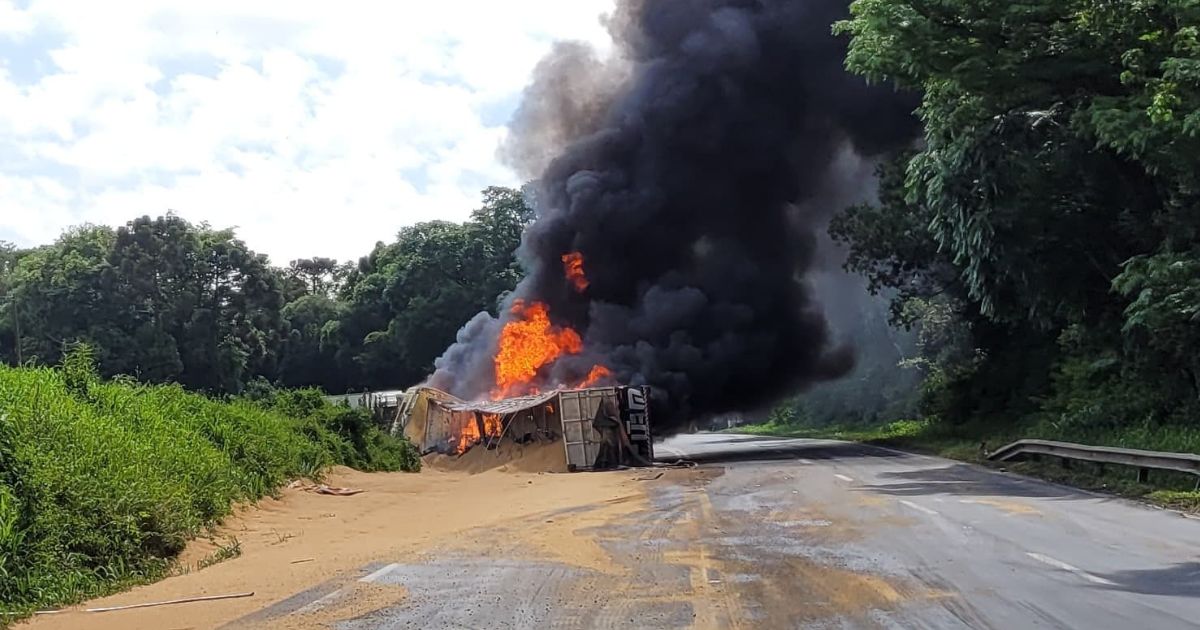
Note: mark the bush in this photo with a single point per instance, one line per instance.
(350, 433)
(102, 483)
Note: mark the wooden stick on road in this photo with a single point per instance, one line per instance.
(207, 598)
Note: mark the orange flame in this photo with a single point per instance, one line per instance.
(527, 343)
(573, 268)
(493, 427)
(598, 373)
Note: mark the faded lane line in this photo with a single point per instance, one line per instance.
(380, 573)
(919, 508)
(905, 454)
(318, 605)
(806, 462)
(1059, 564)
(844, 478)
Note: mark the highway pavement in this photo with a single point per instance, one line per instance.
(788, 533)
(1005, 551)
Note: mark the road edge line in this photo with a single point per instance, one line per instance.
(380, 573)
(918, 507)
(1059, 564)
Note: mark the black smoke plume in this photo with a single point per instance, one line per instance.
(691, 171)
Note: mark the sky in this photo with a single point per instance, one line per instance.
(313, 128)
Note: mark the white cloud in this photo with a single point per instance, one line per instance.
(14, 21)
(316, 128)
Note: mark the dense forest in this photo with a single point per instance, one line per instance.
(163, 300)
(1041, 238)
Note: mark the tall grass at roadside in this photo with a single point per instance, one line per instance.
(349, 434)
(101, 484)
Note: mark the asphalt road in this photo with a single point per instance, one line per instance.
(777, 533)
(1006, 551)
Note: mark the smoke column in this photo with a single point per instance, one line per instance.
(691, 172)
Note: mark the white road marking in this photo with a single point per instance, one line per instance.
(380, 573)
(907, 455)
(844, 478)
(1059, 564)
(896, 452)
(919, 508)
(806, 462)
(317, 605)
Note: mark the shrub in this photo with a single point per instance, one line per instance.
(102, 483)
(349, 433)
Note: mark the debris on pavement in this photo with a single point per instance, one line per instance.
(340, 492)
(324, 489)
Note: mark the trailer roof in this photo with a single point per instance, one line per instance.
(508, 405)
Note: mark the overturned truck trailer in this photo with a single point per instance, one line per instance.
(598, 427)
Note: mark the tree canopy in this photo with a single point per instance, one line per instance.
(1052, 202)
(165, 300)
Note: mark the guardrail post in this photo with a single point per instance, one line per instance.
(1066, 463)
(1143, 475)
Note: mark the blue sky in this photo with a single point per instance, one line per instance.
(315, 128)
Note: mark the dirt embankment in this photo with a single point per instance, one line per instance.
(304, 539)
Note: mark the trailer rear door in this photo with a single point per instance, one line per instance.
(581, 440)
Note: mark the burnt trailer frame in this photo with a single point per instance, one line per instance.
(573, 412)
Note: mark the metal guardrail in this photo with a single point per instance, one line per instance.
(1142, 460)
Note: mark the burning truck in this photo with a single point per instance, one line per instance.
(598, 427)
(521, 396)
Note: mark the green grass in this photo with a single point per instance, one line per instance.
(894, 431)
(231, 549)
(102, 484)
(1176, 500)
(969, 442)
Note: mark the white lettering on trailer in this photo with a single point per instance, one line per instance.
(638, 425)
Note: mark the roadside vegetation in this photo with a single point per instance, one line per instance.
(1041, 244)
(972, 443)
(102, 483)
